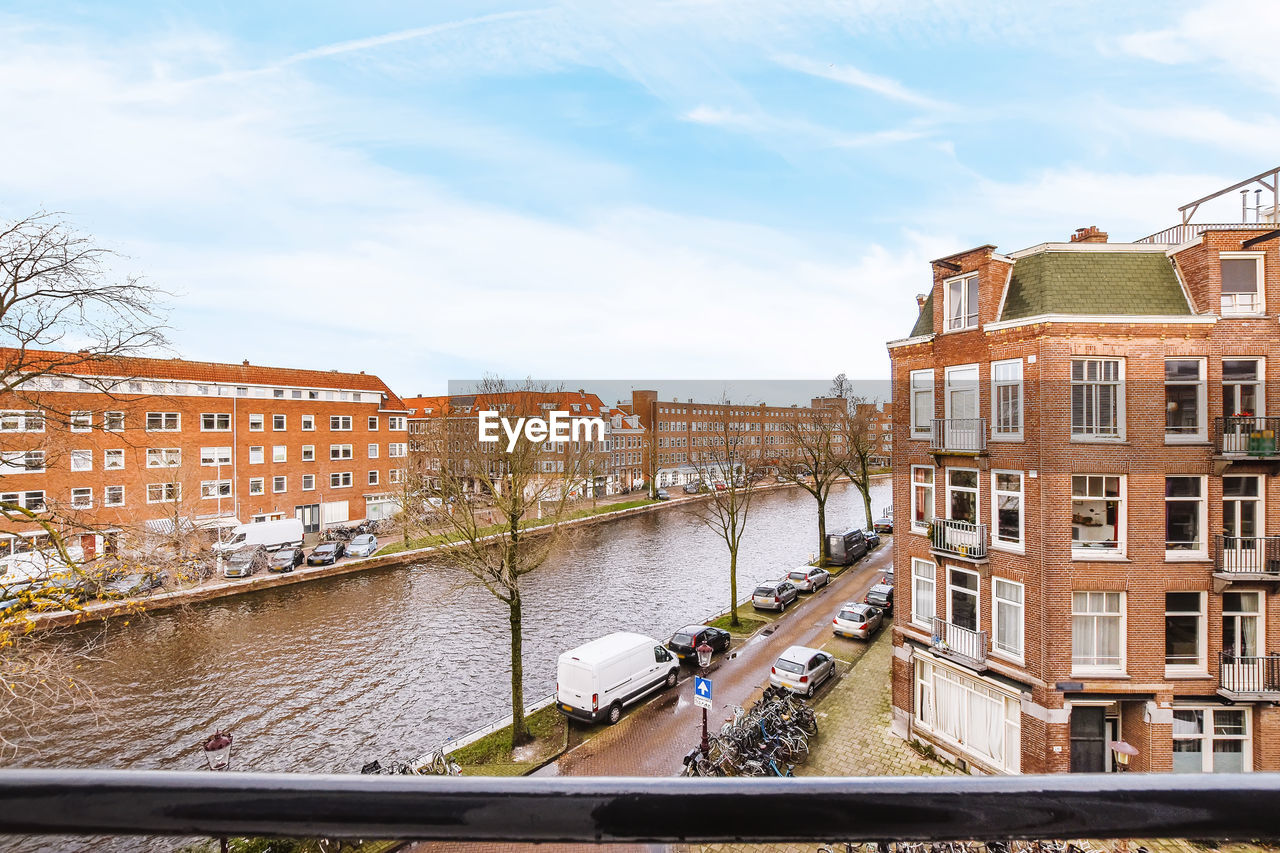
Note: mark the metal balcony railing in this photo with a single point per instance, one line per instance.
(1246, 435)
(1246, 555)
(1182, 233)
(960, 642)
(958, 538)
(1258, 674)
(959, 435)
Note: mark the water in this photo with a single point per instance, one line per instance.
(326, 675)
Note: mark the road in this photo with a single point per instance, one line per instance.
(652, 739)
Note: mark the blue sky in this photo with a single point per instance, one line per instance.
(668, 189)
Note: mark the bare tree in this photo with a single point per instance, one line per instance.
(813, 446)
(854, 414)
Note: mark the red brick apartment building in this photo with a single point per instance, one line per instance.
(626, 448)
(115, 447)
(879, 420)
(1088, 536)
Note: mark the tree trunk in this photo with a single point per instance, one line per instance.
(519, 727)
(822, 531)
(865, 488)
(733, 588)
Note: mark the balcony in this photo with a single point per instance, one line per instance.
(960, 644)
(967, 436)
(1183, 233)
(1244, 438)
(1246, 558)
(1249, 678)
(963, 539)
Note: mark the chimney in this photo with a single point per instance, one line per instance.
(246, 362)
(920, 299)
(1089, 235)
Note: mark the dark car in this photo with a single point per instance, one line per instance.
(845, 549)
(137, 583)
(684, 643)
(883, 525)
(286, 560)
(664, 495)
(692, 488)
(880, 595)
(326, 554)
(873, 538)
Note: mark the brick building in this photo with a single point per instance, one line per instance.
(1085, 484)
(626, 449)
(879, 420)
(115, 447)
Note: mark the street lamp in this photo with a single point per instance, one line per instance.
(1123, 752)
(704, 659)
(217, 750)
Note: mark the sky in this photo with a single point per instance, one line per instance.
(703, 189)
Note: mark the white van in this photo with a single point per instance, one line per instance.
(597, 680)
(271, 535)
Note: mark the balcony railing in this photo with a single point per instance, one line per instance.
(1246, 435)
(958, 538)
(1246, 555)
(1253, 675)
(959, 642)
(1182, 233)
(959, 435)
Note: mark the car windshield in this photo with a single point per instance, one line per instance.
(325, 549)
(682, 639)
(798, 575)
(362, 540)
(789, 666)
(764, 590)
(286, 554)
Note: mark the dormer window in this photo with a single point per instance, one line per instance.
(1241, 283)
(961, 302)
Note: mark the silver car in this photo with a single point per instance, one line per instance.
(774, 595)
(245, 562)
(857, 620)
(801, 669)
(809, 578)
(363, 545)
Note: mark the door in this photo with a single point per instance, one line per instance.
(1241, 517)
(1088, 739)
(1241, 642)
(962, 432)
(309, 515)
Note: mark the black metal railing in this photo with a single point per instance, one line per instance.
(1246, 555)
(958, 538)
(958, 641)
(1246, 435)
(1249, 674)
(959, 435)
(607, 809)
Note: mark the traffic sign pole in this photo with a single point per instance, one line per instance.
(702, 696)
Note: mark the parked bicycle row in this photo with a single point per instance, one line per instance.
(1014, 846)
(768, 740)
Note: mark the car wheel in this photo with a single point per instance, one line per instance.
(615, 713)
(809, 693)
(671, 679)
(782, 605)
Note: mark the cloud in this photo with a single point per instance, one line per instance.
(1239, 36)
(791, 132)
(851, 76)
(1256, 135)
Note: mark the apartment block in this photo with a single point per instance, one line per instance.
(1088, 516)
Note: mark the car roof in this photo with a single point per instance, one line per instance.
(881, 587)
(692, 629)
(798, 654)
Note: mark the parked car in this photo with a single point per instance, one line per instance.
(598, 679)
(883, 525)
(857, 621)
(720, 486)
(774, 595)
(363, 545)
(281, 533)
(692, 488)
(684, 643)
(326, 554)
(888, 575)
(801, 669)
(845, 549)
(286, 560)
(880, 595)
(245, 562)
(664, 495)
(137, 583)
(873, 539)
(809, 578)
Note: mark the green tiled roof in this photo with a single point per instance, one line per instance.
(924, 323)
(1139, 283)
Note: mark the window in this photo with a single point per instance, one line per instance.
(961, 298)
(1006, 622)
(1097, 515)
(922, 403)
(257, 485)
(257, 455)
(256, 423)
(82, 460)
(1242, 627)
(373, 423)
(1184, 517)
(164, 457)
(1184, 626)
(113, 496)
(396, 475)
(215, 456)
(280, 453)
(1211, 740)
(340, 481)
(278, 423)
(962, 598)
(962, 495)
(162, 492)
(373, 451)
(308, 423)
(279, 484)
(1242, 524)
(1007, 495)
(1097, 398)
(113, 421)
(373, 478)
(308, 482)
(340, 451)
(112, 460)
(1184, 399)
(22, 462)
(215, 422)
(82, 498)
(340, 423)
(921, 496)
(1242, 283)
(398, 450)
(12, 421)
(215, 489)
(81, 421)
(923, 595)
(1006, 398)
(396, 422)
(163, 421)
(308, 453)
(1097, 631)
(969, 713)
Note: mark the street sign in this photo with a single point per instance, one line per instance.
(702, 692)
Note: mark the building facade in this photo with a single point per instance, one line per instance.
(1087, 507)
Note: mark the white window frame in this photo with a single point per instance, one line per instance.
(1208, 734)
(20, 420)
(1201, 384)
(966, 321)
(373, 423)
(210, 489)
(164, 489)
(279, 423)
(340, 480)
(212, 457)
(279, 453)
(108, 455)
(1259, 383)
(217, 419)
(308, 423)
(926, 674)
(397, 423)
(1001, 602)
(1121, 616)
(1261, 291)
(924, 572)
(343, 423)
(373, 451)
(338, 452)
(977, 492)
(917, 393)
(81, 460)
(400, 449)
(976, 592)
(279, 484)
(1201, 666)
(1122, 520)
(373, 478)
(106, 496)
(82, 421)
(999, 432)
(1201, 553)
(933, 498)
(113, 421)
(308, 453)
(164, 419)
(258, 454)
(164, 457)
(308, 482)
(1090, 432)
(82, 498)
(257, 423)
(1018, 547)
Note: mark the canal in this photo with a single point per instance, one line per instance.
(326, 675)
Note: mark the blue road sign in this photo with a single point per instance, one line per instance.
(702, 692)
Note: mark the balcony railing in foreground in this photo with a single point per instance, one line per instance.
(960, 643)
(608, 809)
(1246, 435)
(1249, 676)
(1251, 556)
(956, 538)
(959, 435)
